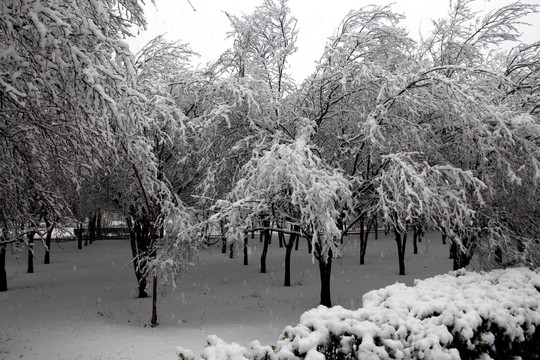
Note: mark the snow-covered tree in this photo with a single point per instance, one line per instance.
(289, 183)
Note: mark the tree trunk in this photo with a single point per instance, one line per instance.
(376, 225)
(231, 250)
(364, 235)
(79, 235)
(154, 321)
(288, 250)
(245, 249)
(281, 238)
(98, 225)
(50, 227)
(416, 236)
(309, 246)
(266, 239)
(223, 238)
(325, 270)
(401, 241)
(30, 268)
(297, 241)
(3, 274)
(139, 252)
(92, 229)
(443, 238)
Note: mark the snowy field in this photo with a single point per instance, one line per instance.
(84, 306)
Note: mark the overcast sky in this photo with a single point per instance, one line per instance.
(205, 28)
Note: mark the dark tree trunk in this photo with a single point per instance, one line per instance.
(281, 238)
(139, 249)
(461, 259)
(246, 249)
(443, 238)
(98, 225)
(401, 241)
(3, 274)
(231, 250)
(416, 239)
(79, 235)
(223, 238)
(288, 250)
(50, 227)
(309, 245)
(266, 236)
(325, 270)
(252, 235)
(297, 242)
(92, 228)
(30, 236)
(154, 321)
(376, 226)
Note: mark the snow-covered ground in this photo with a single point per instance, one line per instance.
(83, 305)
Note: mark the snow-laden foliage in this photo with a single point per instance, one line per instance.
(460, 315)
(289, 183)
(410, 191)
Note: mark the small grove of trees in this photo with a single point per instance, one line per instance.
(440, 134)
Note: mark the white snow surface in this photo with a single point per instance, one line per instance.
(84, 306)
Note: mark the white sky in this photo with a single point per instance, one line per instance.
(205, 29)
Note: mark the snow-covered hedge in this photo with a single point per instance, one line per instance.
(460, 315)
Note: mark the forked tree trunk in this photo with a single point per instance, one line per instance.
(364, 235)
(401, 241)
(3, 274)
(30, 268)
(50, 227)
(288, 250)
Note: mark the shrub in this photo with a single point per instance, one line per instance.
(460, 315)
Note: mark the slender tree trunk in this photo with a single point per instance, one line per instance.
(376, 225)
(297, 241)
(401, 241)
(79, 235)
(266, 235)
(231, 250)
(50, 227)
(223, 238)
(154, 321)
(92, 228)
(416, 236)
(30, 236)
(443, 237)
(281, 238)
(3, 274)
(288, 250)
(98, 225)
(325, 270)
(136, 236)
(245, 249)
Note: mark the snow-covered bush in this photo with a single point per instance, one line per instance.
(460, 315)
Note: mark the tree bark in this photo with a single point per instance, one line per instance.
(98, 225)
(154, 321)
(50, 227)
(3, 274)
(246, 249)
(30, 236)
(266, 239)
(288, 250)
(92, 229)
(139, 251)
(281, 238)
(416, 239)
(79, 235)
(401, 241)
(325, 270)
(223, 238)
